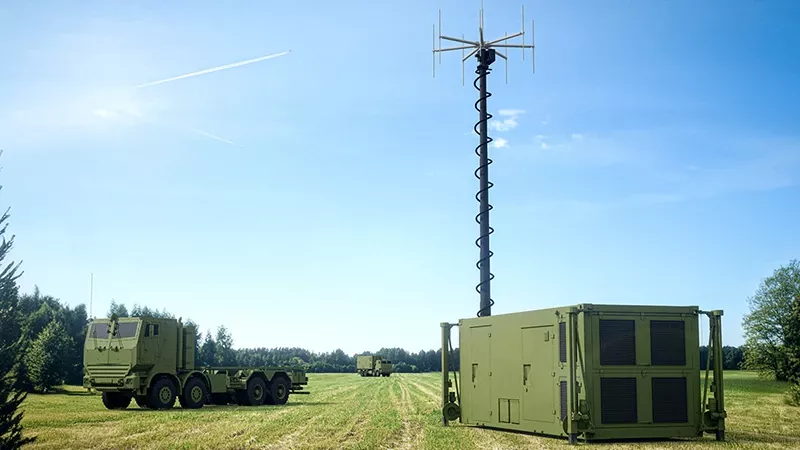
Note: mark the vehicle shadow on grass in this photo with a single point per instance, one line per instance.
(223, 408)
(581, 440)
(730, 438)
(60, 391)
(763, 438)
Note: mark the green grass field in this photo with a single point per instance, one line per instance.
(347, 411)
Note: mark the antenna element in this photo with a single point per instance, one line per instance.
(485, 52)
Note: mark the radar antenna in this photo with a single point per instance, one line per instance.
(485, 52)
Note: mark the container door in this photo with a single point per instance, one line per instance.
(479, 374)
(537, 373)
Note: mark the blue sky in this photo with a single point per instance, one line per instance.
(652, 158)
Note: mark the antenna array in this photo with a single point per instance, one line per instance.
(476, 46)
(485, 52)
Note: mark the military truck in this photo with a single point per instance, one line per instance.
(152, 361)
(383, 368)
(373, 366)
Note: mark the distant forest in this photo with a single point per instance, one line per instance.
(216, 349)
(52, 336)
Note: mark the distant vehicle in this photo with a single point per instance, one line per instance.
(373, 366)
(152, 361)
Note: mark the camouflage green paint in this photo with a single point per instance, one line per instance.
(591, 371)
(134, 357)
(373, 366)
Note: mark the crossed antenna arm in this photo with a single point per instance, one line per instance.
(476, 46)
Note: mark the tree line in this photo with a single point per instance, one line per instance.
(216, 349)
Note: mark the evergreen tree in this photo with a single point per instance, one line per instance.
(224, 355)
(207, 351)
(117, 309)
(11, 397)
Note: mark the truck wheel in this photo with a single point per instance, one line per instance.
(279, 390)
(162, 394)
(116, 400)
(256, 391)
(194, 394)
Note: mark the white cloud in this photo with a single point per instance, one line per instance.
(540, 137)
(504, 125)
(499, 143)
(544, 146)
(510, 121)
(577, 136)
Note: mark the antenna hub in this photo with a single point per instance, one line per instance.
(486, 56)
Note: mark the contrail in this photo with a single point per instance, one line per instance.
(203, 133)
(107, 113)
(215, 69)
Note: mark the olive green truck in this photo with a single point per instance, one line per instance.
(373, 366)
(152, 361)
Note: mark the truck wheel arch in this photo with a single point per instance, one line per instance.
(171, 377)
(259, 374)
(194, 374)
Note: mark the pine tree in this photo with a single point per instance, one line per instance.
(207, 351)
(11, 397)
(224, 355)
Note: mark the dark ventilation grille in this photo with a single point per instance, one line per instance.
(617, 342)
(669, 400)
(563, 385)
(618, 400)
(562, 342)
(667, 343)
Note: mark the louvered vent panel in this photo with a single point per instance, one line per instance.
(618, 400)
(669, 400)
(562, 342)
(667, 343)
(563, 386)
(617, 342)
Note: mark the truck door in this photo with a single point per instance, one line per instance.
(150, 344)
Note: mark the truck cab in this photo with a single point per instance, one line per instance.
(383, 368)
(111, 354)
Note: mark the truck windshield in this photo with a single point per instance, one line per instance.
(99, 331)
(127, 329)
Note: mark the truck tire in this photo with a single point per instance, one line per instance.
(256, 392)
(116, 400)
(194, 394)
(162, 394)
(279, 390)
